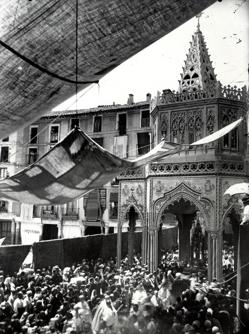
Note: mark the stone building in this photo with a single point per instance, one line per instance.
(121, 129)
(11, 156)
(189, 186)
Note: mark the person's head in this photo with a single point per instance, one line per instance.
(207, 324)
(82, 298)
(188, 329)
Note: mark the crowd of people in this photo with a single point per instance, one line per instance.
(95, 297)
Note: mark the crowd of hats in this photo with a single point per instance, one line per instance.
(96, 297)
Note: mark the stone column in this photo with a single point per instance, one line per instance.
(160, 241)
(153, 248)
(214, 255)
(132, 226)
(60, 224)
(60, 233)
(18, 233)
(106, 229)
(12, 232)
(144, 244)
(119, 244)
(82, 228)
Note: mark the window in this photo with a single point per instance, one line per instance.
(122, 124)
(99, 141)
(33, 139)
(234, 139)
(54, 134)
(75, 123)
(143, 143)
(113, 213)
(3, 173)
(5, 139)
(33, 155)
(5, 230)
(230, 140)
(4, 154)
(3, 206)
(97, 124)
(145, 118)
(37, 211)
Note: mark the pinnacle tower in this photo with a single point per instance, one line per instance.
(198, 72)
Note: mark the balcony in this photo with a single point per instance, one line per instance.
(70, 213)
(49, 214)
(3, 209)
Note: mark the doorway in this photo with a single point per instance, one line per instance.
(183, 238)
(50, 231)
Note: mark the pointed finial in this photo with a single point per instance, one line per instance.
(198, 20)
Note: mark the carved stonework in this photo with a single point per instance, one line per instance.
(198, 72)
(164, 123)
(125, 190)
(178, 125)
(139, 190)
(189, 192)
(132, 202)
(205, 167)
(209, 187)
(131, 173)
(132, 194)
(213, 235)
(159, 187)
(210, 125)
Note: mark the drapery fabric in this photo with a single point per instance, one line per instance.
(218, 134)
(73, 167)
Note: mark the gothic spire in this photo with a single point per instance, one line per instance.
(198, 72)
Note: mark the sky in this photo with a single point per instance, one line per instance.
(225, 26)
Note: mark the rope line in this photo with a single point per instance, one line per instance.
(76, 54)
(43, 69)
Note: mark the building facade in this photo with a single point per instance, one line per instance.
(121, 129)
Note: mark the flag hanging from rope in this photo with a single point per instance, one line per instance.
(73, 167)
(77, 165)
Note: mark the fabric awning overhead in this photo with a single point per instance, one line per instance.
(44, 31)
(73, 167)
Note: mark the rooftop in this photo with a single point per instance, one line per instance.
(101, 108)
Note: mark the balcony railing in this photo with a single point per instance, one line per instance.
(220, 91)
(70, 213)
(3, 210)
(50, 214)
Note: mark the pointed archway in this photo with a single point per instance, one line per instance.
(191, 242)
(131, 211)
(206, 210)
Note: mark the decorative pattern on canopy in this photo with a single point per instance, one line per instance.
(73, 167)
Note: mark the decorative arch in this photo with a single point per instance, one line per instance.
(138, 208)
(233, 203)
(184, 191)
